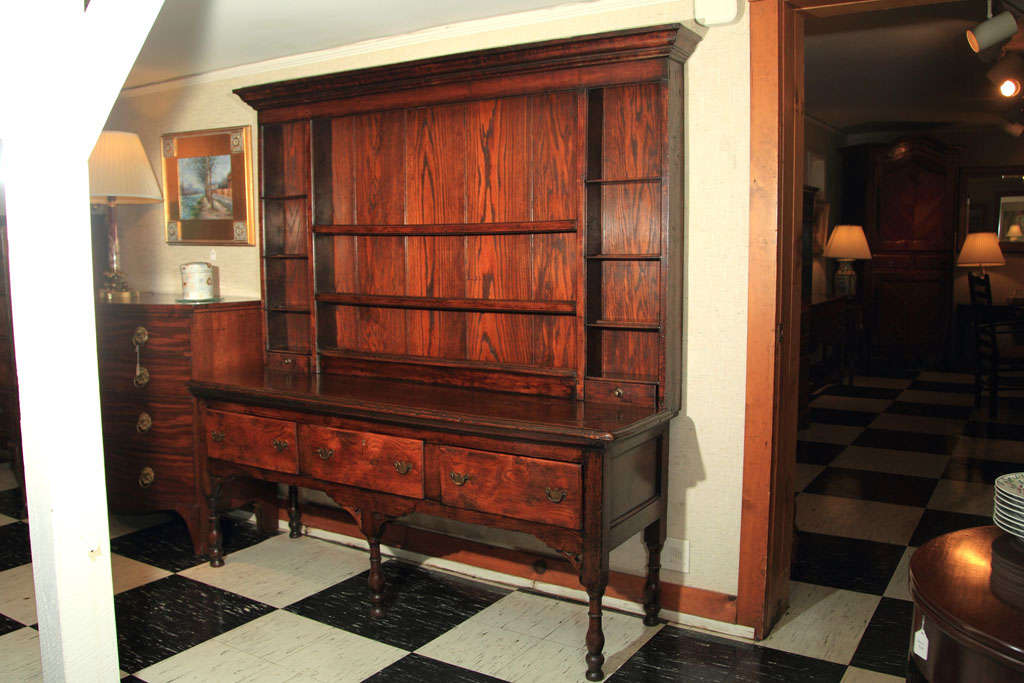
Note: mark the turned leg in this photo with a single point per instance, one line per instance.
(372, 526)
(654, 539)
(216, 549)
(595, 636)
(294, 514)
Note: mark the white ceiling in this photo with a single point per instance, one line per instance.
(197, 36)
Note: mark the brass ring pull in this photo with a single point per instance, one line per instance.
(617, 393)
(555, 495)
(217, 436)
(141, 377)
(403, 467)
(287, 361)
(146, 477)
(144, 423)
(140, 337)
(279, 444)
(324, 452)
(459, 478)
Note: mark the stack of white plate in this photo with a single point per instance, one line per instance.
(1008, 513)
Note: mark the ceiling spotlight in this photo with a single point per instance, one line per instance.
(992, 31)
(1008, 75)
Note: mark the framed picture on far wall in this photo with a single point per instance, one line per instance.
(207, 187)
(1011, 217)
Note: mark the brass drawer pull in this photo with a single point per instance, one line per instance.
(287, 361)
(141, 377)
(146, 477)
(324, 452)
(279, 444)
(217, 436)
(140, 337)
(403, 467)
(459, 478)
(617, 393)
(144, 423)
(555, 495)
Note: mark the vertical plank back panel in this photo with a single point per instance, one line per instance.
(631, 147)
(631, 219)
(497, 160)
(553, 139)
(379, 161)
(630, 291)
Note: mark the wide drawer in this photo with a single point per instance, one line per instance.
(511, 485)
(249, 440)
(149, 481)
(148, 422)
(378, 462)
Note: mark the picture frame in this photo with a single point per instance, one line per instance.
(821, 222)
(208, 187)
(1011, 212)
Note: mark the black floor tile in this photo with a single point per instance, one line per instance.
(897, 440)
(7, 625)
(861, 392)
(853, 418)
(883, 647)
(675, 654)
(994, 430)
(814, 453)
(900, 489)
(937, 522)
(168, 616)
(930, 410)
(978, 470)
(848, 563)
(14, 545)
(420, 605)
(11, 503)
(944, 387)
(169, 545)
(415, 668)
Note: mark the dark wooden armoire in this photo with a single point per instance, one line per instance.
(904, 195)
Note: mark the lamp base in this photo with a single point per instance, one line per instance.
(845, 283)
(115, 288)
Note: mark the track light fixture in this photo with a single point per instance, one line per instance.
(1008, 75)
(992, 31)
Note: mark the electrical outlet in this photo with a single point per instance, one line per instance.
(213, 254)
(675, 555)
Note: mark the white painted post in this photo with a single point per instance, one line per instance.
(62, 68)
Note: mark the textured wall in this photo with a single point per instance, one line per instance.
(707, 447)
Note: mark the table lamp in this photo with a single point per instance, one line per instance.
(980, 249)
(119, 173)
(846, 244)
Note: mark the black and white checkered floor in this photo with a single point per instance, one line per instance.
(886, 465)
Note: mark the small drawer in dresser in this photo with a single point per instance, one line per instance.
(378, 462)
(512, 486)
(149, 480)
(610, 391)
(289, 362)
(250, 440)
(148, 422)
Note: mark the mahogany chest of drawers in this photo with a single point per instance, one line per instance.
(148, 350)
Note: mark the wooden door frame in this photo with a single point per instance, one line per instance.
(773, 297)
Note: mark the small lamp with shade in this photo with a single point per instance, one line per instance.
(847, 244)
(981, 250)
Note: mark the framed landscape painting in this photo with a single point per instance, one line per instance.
(207, 187)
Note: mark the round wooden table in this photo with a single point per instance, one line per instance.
(968, 590)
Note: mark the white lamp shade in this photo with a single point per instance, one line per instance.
(847, 242)
(981, 249)
(119, 168)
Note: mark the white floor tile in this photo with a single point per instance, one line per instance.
(914, 463)
(899, 585)
(20, 660)
(855, 675)
(854, 518)
(827, 433)
(865, 405)
(125, 524)
(129, 573)
(823, 622)
(4, 519)
(487, 649)
(18, 594)
(962, 496)
(881, 382)
(804, 475)
(283, 570)
(936, 397)
(918, 423)
(215, 661)
(1005, 450)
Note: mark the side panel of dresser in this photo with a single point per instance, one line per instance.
(10, 419)
(148, 412)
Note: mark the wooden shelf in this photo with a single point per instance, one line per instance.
(624, 257)
(621, 378)
(623, 181)
(286, 256)
(287, 309)
(450, 304)
(281, 197)
(424, 229)
(438, 362)
(301, 350)
(625, 325)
